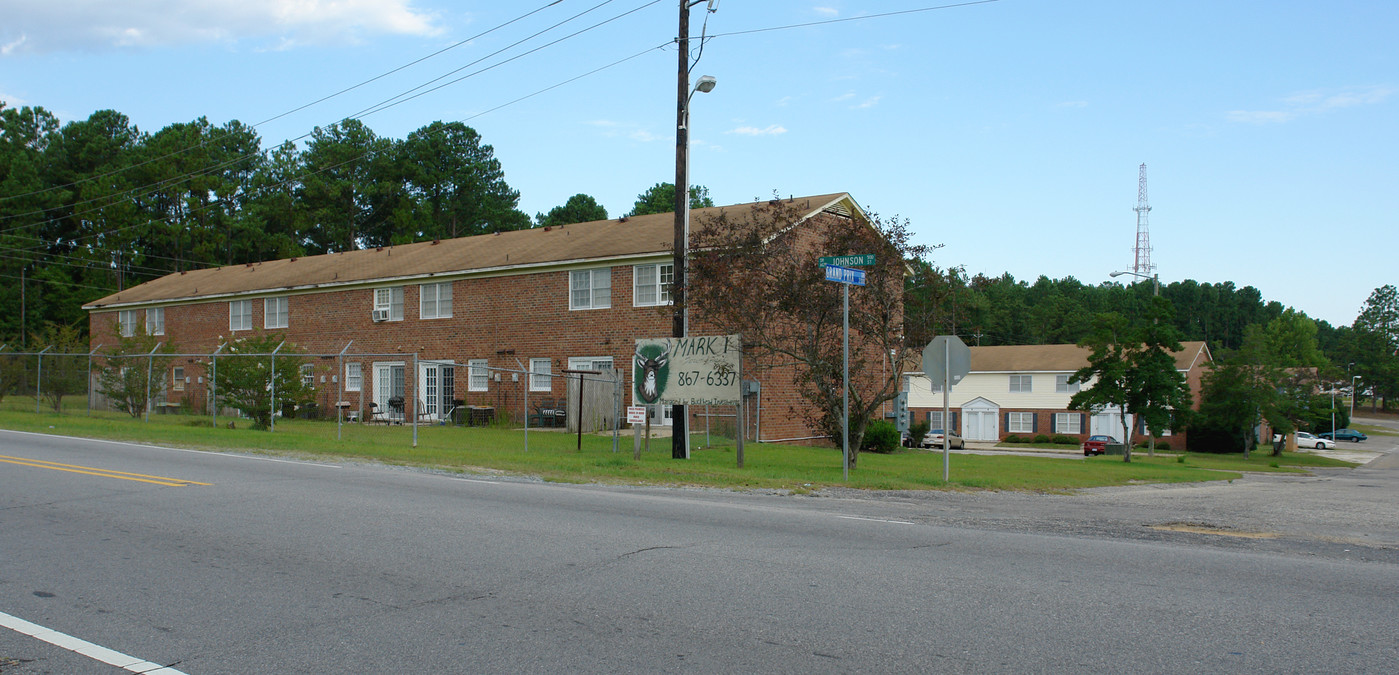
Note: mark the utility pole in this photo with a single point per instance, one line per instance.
(680, 437)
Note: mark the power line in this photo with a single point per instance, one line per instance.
(852, 18)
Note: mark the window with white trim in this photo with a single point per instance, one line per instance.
(308, 375)
(177, 378)
(1062, 385)
(651, 284)
(599, 363)
(354, 377)
(1068, 423)
(240, 315)
(1020, 423)
(590, 289)
(155, 321)
(126, 321)
(477, 374)
(539, 371)
(1020, 384)
(390, 299)
(435, 301)
(275, 312)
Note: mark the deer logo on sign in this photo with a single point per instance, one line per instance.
(652, 367)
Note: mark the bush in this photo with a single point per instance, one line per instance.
(1163, 444)
(1061, 439)
(880, 436)
(1042, 439)
(916, 432)
(1012, 439)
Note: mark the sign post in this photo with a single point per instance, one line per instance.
(948, 359)
(848, 277)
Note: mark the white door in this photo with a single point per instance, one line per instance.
(388, 383)
(437, 388)
(1107, 423)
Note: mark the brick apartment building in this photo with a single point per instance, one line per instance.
(474, 310)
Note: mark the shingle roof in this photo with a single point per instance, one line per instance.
(578, 243)
(1058, 358)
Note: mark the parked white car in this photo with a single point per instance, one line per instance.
(1306, 440)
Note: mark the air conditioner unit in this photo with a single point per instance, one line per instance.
(380, 315)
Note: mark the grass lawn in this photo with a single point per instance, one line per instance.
(555, 456)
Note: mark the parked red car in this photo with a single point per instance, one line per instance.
(1097, 445)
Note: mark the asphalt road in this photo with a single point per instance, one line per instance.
(222, 563)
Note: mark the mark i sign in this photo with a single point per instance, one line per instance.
(687, 371)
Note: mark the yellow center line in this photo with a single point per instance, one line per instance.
(105, 473)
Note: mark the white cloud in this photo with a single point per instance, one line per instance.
(844, 97)
(1314, 102)
(642, 135)
(868, 103)
(769, 130)
(38, 26)
(826, 11)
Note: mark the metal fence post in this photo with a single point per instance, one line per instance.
(150, 373)
(39, 380)
(213, 386)
(272, 416)
(416, 397)
(89, 378)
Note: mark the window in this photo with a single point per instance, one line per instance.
(390, 299)
(477, 375)
(602, 363)
(1020, 422)
(155, 321)
(240, 315)
(539, 371)
(126, 321)
(1063, 386)
(651, 284)
(1068, 423)
(308, 375)
(590, 289)
(1020, 383)
(354, 377)
(935, 420)
(177, 378)
(435, 301)
(275, 313)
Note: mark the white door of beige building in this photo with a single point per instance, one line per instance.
(981, 420)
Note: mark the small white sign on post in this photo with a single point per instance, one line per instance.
(636, 414)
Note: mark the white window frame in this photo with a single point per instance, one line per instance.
(275, 309)
(651, 284)
(1063, 386)
(1020, 423)
(390, 299)
(540, 371)
(177, 378)
(126, 322)
(155, 321)
(1021, 384)
(240, 315)
(478, 375)
(1064, 421)
(308, 375)
(590, 288)
(354, 377)
(435, 301)
(589, 363)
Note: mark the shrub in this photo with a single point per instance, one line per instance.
(880, 436)
(1011, 439)
(917, 431)
(1163, 445)
(1042, 438)
(1061, 439)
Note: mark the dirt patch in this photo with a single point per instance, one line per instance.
(1200, 528)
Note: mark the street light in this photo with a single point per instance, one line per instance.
(1155, 280)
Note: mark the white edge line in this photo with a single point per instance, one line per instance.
(878, 520)
(80, 646)
(232, 452)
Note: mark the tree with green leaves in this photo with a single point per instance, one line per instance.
(1377, 344)
(458, 184)
(65, 372)
(1132, 367)
(660, 198)
(249, 376)
(756, 275)
(131, 371)
(579, 208)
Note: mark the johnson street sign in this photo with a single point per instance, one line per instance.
(858, 260)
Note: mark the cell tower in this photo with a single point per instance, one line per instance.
(1141, 254)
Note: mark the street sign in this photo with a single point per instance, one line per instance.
(946, 358)
(845, 275)
(857, 260)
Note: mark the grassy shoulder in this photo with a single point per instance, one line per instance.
(556, 456)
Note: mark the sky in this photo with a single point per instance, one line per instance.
(1008, 133)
